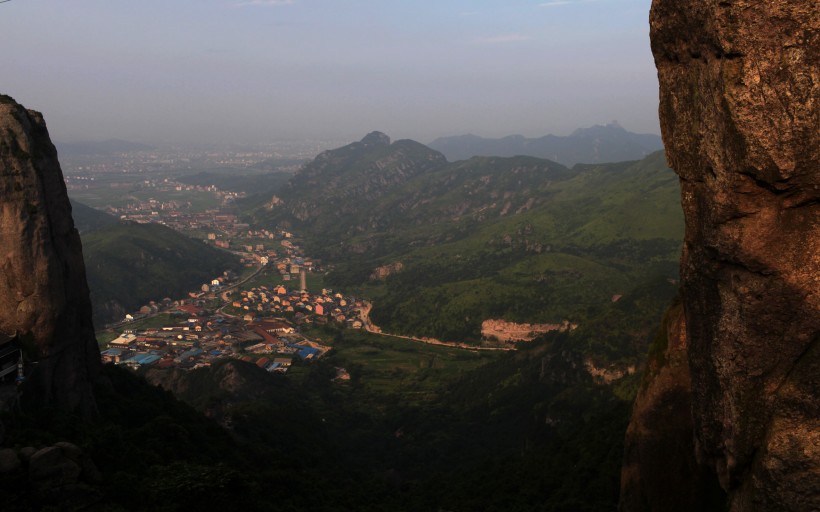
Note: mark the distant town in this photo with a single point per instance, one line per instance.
(228, 317)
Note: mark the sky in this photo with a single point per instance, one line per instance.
(253, 71)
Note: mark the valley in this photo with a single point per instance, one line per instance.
(221, 289)
(517, 298)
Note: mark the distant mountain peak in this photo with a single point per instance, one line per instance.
(608, 142)
(376, 139)
(611, 127)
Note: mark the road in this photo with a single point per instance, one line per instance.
(368, 326)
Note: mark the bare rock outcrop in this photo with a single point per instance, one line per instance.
(740, 116)
(502, 330)
(61, 476)
(44, 297)
(385, 271)
(660, 469)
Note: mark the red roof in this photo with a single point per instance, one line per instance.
(190, 309)
(265, 335)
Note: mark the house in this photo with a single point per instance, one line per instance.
(113, 355)
(306, 352)
(124, 341)
(275, 326)
(140, 360)
(190, 309)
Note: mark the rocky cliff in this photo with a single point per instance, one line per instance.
(44, 297)
(740, 116)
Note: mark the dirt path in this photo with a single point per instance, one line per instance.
(374, 329)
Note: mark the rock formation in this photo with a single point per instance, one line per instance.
(60, 476)
(660, 469)
(44, 296)
(502, 330)
(385, 271)
(740, 116)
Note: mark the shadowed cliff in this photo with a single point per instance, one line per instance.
(44, 297)
(739, 93)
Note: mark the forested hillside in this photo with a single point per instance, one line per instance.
(129, 264)
(441, 247)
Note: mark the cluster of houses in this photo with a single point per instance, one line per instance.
(299, 305)
(256, 325)
(199, 340)
(177, 215)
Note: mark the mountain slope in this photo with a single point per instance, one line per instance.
(130, 264)
(602, 233)
(342, 183)
(520, 239)
(87, 218)
(597, 144)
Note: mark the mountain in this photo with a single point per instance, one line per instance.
(558, 248)
(342, 183)
(597, 144)
(131, 264)
(105, 147)
(740, 121)
(44, 300)
(87, 218)
(441, 247)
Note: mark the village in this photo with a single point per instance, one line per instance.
(257, 319)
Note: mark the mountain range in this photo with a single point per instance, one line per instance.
(597, 144)
(440, 247)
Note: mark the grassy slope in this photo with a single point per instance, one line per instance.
(130, 264)
(88, 219)
(603, 232)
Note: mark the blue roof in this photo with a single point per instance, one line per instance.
(151, 359)
(191, 353)
(112, 352)
(304, 352)
(144, 359)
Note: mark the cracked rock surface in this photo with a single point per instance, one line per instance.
(44, 297)
(740, 116)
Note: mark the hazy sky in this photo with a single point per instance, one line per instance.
(257, 70)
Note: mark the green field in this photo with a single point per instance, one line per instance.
(161, 320)
(386, 365)
(100, 197)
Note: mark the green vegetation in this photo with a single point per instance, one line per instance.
(454, 430)
(89, 219)
(238, 181)
(416, 427)
(385, 365)
(130, 264)
(519, 239)
(119, 190)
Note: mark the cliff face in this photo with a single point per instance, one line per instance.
(740, 116)
(660, 469)
(44, 297)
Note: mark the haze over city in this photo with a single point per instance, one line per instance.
(251, 71)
